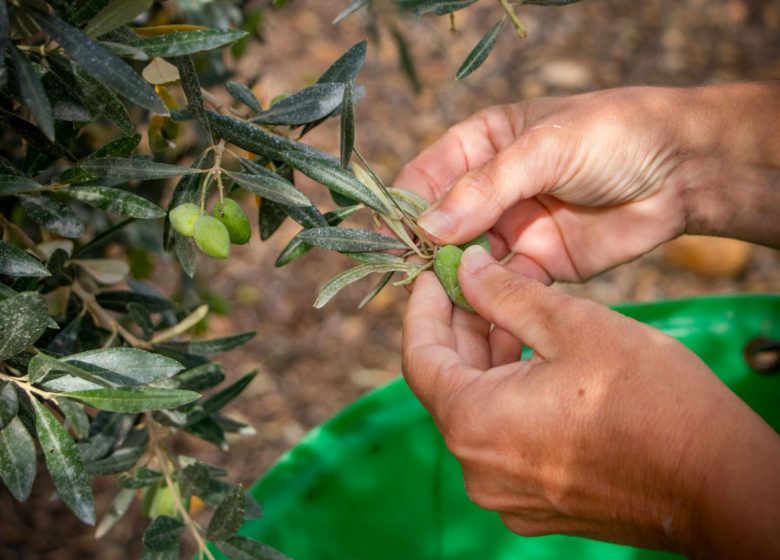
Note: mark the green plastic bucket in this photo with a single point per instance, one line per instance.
(376, 482)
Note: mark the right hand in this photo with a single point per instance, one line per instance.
(574, 186)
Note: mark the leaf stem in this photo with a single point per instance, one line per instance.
(107, 320)
(516, 23)
(27, 387)
(161, 455)
(17, 231)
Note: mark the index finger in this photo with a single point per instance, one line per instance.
(432, 366)
(464, 147)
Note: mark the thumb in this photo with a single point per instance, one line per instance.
(540, 317)
(474, 204)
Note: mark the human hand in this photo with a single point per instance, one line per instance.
(612, 431)
(573, 186)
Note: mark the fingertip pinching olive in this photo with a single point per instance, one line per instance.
(212, 237)
(446, 264)
(183, 218)
(230, 213)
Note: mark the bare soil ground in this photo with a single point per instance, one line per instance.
(312, 363)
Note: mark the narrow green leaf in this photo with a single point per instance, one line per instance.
(141, 478)
(436, 7)
(117, 201)
(23, 319)
(348, 65)
(378, 288)
(64, 463)
(14, 184)
(191, 87)
(121, 460)
(9, 404)
(410, 202)
(163, 533)
(188, 42)
(117, 300)
(33, 94)
(33, 135)
(312, 163)
(296, 248)
(243, 548)
(347, 125)
(210, 347)
(133, 399)
(105, 67)
(131, 366)
(53, 215)
(271, 186)
(406, 59)
(349, 240)
(351, 9)
(219, 400)
(135, 168)
(116, 14)
(308, 105)
(480, 52)
(199, 378)
(17, 459)
(244, 95)
(19, 264)
(270, 216)
(229, 515)
(341, 281)
(116, 511)
(194, 479)
(75, 416)
(101, 100)
(105, 271)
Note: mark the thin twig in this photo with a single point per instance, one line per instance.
(516, 23)
(17, 231)
(160, 455)
(107, 320)
(27, 387)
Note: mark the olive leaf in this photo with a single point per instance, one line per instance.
(117, 300)
(191, 87)
(75, 416)
(312, 163)
(296, 248)
(105, 271)
(308, 105)
(53, 215)
(121, 460)
(199, 378)
(341, 281)
(480, 52)
(378, 288)
(351, 9)
(17, 459)
(141, 478)
(9, 404)
(19, 264)
(117, 201)
(163, 534)
(101, 100)
(349, 240)
(269, 185)
(347, 125)
(33, 94)
(244, 95)
(119, 506)
(243, 548)
(133, 399)
(188, 42)
(23, 319)
(411, 203)
(116, 14)
(228, 516)
(437, 7)
(348, 65)
(135, 168)
(104, 66)
(14, 184)
(213, 346)
(64, 463)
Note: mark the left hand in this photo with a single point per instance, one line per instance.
(612, 430)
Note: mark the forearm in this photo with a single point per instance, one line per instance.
(740, 498)
(730, 173)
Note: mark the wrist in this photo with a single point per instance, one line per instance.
(729, 170)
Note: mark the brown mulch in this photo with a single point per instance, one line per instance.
(312, 363)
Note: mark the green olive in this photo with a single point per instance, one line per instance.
(446, 265)
(212, 237)
(232, 215)
(183, 218)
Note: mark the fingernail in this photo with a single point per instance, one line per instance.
(436, 223)
(475, 258)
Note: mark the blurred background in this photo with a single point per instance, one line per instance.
(312, 363)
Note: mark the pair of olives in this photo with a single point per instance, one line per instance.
(446, 264)
(213, 234)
